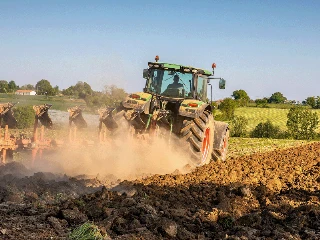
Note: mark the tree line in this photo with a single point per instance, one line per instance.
(43, 87)
(301, 121)
(111, 95)
(242, 99)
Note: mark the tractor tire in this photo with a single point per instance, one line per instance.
(221, 141)
(199, 133)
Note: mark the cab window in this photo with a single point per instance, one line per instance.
(202, 88)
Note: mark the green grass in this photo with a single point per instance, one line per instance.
(58, 102)
(276, 105)
(275, 115)
(256, 115)
(86, 231)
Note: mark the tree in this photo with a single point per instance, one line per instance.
(114, 94)
(12, 86)
(44, 87)
(311, 101)
(227, 107)
(4, 86)
(69, 91)
(277, 97)
(111, 96)
(27, 87)
(56, 90)
(261, 102)
(241, 96)
(81, 90)
(302, 123)
(317, 102)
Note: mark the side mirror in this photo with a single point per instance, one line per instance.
(145, 73)
(222, 84)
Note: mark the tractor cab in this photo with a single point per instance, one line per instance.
(176, 81)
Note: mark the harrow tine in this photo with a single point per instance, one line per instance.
(34, 155)
(4, 156)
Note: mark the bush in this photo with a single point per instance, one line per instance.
(227, 107)
(266, 130)
(261, 102)
(24, 116)
(239, 126)
(302, 123)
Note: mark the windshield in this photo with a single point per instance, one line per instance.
(170, 83)
(202, 88)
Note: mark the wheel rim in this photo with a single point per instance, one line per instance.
(205, 145)
(225, 145)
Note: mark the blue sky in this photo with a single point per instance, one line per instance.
(259, 46)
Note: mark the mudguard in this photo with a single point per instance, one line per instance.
(193, 108)
(138, 101)
(221, 131)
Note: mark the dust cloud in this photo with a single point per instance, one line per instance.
(123, 157)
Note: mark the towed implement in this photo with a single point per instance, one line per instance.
(173, 101)
(6, 115)
(37, 143)
(41, 114)
(75, 117)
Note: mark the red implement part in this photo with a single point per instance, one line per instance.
(6, 143)
(39, 144)
(206, 144)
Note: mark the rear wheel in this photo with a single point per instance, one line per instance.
(199, 133)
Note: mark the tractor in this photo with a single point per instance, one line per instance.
(174, 101)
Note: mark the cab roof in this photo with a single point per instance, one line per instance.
(178, 67)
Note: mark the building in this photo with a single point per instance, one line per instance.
(25, 92)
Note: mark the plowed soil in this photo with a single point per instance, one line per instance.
(272, 195)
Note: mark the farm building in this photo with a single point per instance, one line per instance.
(26, 92)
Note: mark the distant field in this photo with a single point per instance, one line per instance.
(58, 103)
(246, 146)
(257, 115)
(275, 115)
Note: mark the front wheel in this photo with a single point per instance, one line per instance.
(221, 141)
(199, 134)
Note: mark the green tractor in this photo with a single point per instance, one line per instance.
(174, 101)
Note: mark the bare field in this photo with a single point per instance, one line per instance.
(273, 194)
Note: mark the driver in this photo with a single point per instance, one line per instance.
(175, 83)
